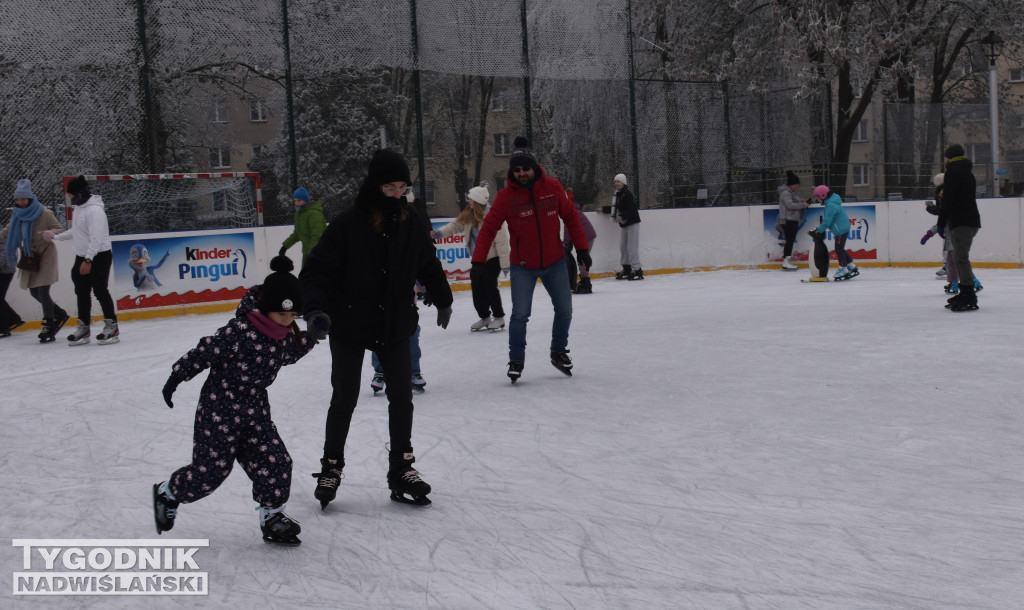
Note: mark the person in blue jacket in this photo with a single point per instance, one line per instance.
(837, 221)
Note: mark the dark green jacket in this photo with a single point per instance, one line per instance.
(309, 226)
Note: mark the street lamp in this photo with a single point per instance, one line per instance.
(993, 44)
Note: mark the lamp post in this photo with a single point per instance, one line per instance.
(993, 44)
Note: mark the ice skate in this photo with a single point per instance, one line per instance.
(852, 271)
(404, 481)
(327, 480)
(584, 287)
(941, 273)
(561, 361)
(419, 385)
(787, 264)
(627, 270)
(377, 383)
(48, 332)
(165, 509)
(79, 336)
(515, 370)
(278, 527)
(60, 318)
(480, 324)
(497, 324)
(952, 288)
(841, 274)
(110, 333)
(977, 285)
(967, 300)
(636, 274)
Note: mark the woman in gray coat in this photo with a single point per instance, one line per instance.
(791, 210)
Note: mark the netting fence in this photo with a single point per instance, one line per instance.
(303, 91)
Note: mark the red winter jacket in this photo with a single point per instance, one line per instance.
(533, 226)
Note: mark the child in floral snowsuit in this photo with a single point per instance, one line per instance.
(233, 417)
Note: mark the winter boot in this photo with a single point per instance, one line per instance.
(80, 336)
(637, 274)
(480, 324)
(165, 508)
(561, 361)
(419, 385)
(496, 324)
(584, 287)
(967, 300)
(515, 370)
(627, 270)
(328, 479)
(278, 527)
(787, 264)
(110, 333)
(377, 383)
(404, 481)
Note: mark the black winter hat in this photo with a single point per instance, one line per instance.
(954, 151)
(78, 185)
(792, 179)
(522, 154)
(388, 166)
(281, 290)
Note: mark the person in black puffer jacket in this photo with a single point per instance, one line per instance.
(959, 215)
(359, 289)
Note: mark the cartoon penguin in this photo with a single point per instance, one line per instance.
(144, 279)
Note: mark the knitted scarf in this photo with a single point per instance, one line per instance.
(19, 234)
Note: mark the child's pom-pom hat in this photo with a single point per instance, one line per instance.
(281, 290)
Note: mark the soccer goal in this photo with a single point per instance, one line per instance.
(148, 203)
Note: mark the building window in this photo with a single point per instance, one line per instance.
(502, 145)
(220, 201)
(256, 150)
(220, 157)
(860, 174)
(499, 101)
(219, 111)
(861, 133)
(257, 111)
(1017, 75)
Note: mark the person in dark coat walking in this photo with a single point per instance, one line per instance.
(959, 215)
(233, 418)
(358, 285)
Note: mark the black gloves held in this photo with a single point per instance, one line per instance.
(444, 315)
(583, 258)
(168, 391)
(318, 324)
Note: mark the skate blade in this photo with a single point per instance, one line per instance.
(420, 501)
(566, 372)
(110, 341)
(79, 342)
(293, 541)
(496, 330)
(417, 390)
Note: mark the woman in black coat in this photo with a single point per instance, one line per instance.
(358, 286)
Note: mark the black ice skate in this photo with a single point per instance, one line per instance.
(584, 287)
(637, 274)
(164, 510)
(967, 300)
(278, 527)
(515, 370)
(327, 480)
(627, 270)
(404, 481)
(47, 334)
(562, 361)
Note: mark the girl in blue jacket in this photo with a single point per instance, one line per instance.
(837, 221)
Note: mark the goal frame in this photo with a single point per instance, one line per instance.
(175, 176)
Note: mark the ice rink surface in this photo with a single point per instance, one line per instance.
(732, 440)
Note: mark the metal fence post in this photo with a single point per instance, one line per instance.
(293, 164)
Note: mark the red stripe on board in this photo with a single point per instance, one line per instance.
(143, 301)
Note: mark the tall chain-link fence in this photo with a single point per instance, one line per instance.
(303, 92)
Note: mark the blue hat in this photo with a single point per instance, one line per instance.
(301, 193)
(24, 189)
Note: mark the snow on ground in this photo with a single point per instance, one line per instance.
(730, 440)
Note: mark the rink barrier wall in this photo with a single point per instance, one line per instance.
(671, 241)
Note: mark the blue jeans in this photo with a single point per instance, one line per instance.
(414, 347)
(555, 278)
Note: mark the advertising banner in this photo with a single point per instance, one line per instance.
(452, 253)
(860, 244)
(183, 270)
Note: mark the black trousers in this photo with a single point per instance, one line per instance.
(346, 370)
(7, 314)
(486, 296)
(789, 230)
(94, 283)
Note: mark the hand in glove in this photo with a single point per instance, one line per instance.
(168, 391)
(444, 315)
(428, 301)
(318, 324)
(927, 236)
(282, 251)
(814, 234)
(583, 258)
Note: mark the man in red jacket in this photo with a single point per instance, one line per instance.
(532, 204)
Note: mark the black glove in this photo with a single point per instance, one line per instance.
(318, 324)
(427, 300)
(444, 314)
(282, 251)
(168, 391)
(813, 233)
(583, 258)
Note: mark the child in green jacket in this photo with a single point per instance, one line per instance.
(309, 224)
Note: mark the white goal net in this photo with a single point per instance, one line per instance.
(148, 203)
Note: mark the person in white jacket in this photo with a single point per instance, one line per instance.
(486, 297)
(90, 239)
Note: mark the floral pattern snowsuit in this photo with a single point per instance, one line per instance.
(233, 417)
